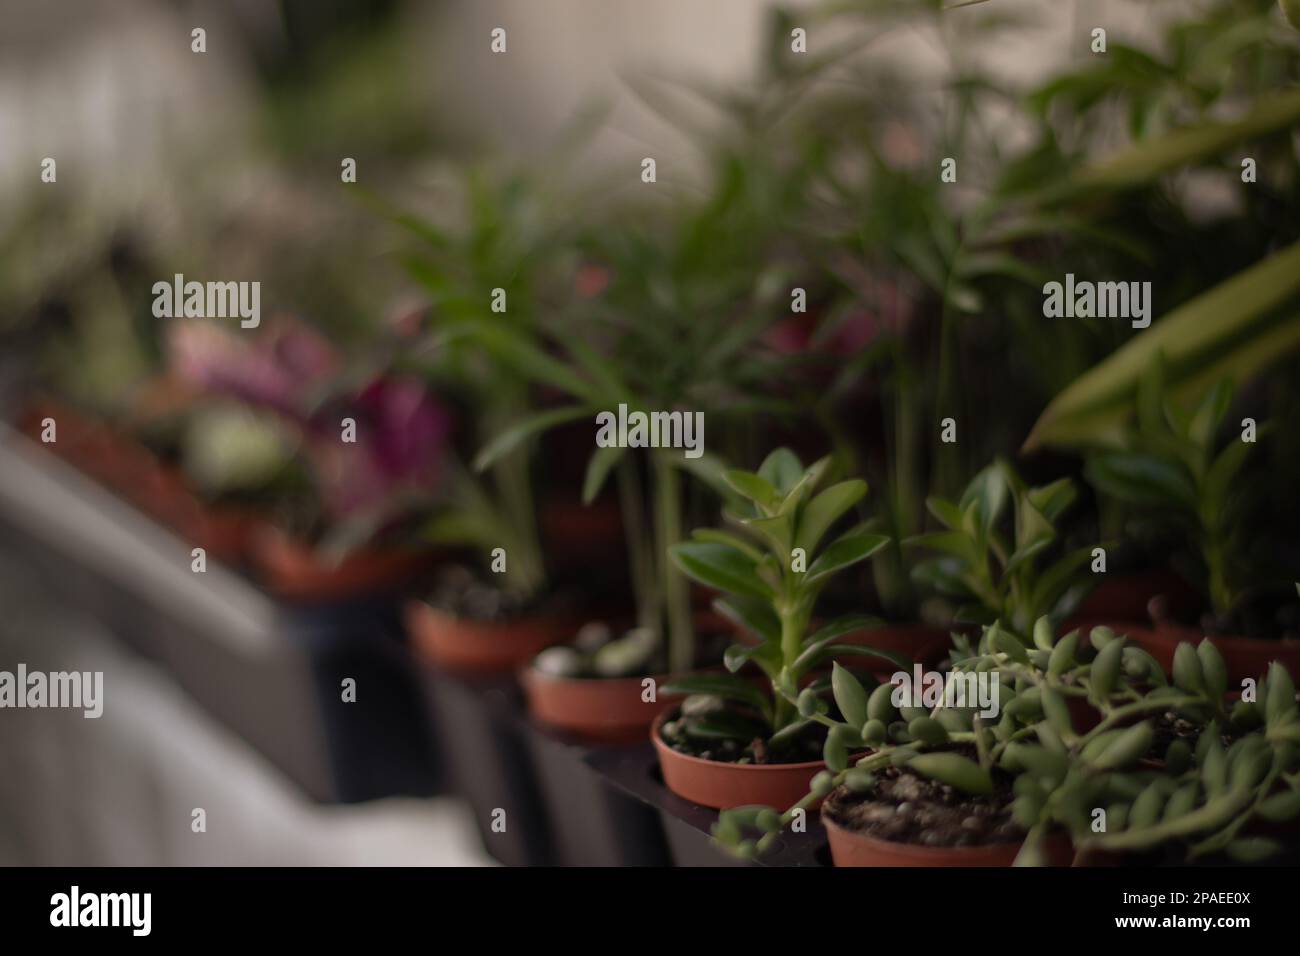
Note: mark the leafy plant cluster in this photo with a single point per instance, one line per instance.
(1084, 731)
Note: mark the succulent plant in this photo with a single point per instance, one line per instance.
(772, 568)
(1097, 770)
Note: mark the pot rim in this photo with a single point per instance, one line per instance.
(936, 853)
(664, 750)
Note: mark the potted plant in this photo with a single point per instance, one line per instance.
(997, 551)
(735, 741)
(949, 784)
(1174, 467)
(373, 452)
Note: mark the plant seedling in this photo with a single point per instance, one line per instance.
(1170, 463)
(1003, 577)
(772, 569)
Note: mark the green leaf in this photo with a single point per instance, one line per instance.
(1054, 499)
(1252, 849)
(1281, 695)
(954, 770)
(823, 511)
(767, 655)
(955, 543)
(1127, 746)
(782, 470)
(719, 685)
(804, 486)
(1281, 807)
(725, 725)
(530, 361)
(821, 652)
(947, 512)
(1187, 670)
(1105, 670)
(1213, 670)
(775, 532)
(1153, 157)
(1062, 657)
(835, 752)
(754, 487)
(844, 552)
(599, 465)
(849, 696)
(755, 615)
(720, 566)
(724, 537)
(1231, 331)
(517, 433)
(988, 493)
(1143, 479)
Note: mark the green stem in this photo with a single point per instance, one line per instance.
(668, 521)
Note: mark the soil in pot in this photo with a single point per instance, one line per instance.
(910, 820)
(739, 769)
(468, 626)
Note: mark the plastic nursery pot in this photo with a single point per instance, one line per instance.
(607, 709)
(479, 647)
(713, 783)
(292, 570)
(1244, 656)
(855, 848)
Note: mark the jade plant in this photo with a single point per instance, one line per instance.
(1091, 741)
(771, 563)
(1173, 464)
(994, 549)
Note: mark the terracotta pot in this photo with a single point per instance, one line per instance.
(226, 534)
(597, 708)
(1244, 656)
(917, 642)
(579, 535)
(292, 570)
(468, 646)
(852, 848)
(712, 783)
(1124, 597)
(1085, 624)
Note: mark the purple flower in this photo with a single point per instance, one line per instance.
(401, 440)
(277, 369)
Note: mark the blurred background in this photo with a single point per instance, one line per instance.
(226, 164)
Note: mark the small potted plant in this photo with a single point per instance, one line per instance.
(1174, 467)
(950, 784)
(735, 741)
(373, 453)
(996, 552)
